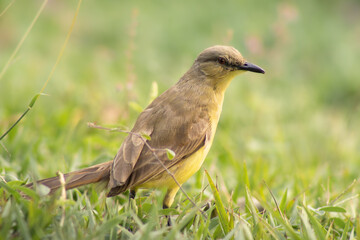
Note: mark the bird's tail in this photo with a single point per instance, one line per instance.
(93, 174)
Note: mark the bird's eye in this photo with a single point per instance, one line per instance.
(221, 60)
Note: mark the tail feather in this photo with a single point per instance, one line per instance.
(93, 174)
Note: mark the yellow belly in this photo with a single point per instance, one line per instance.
(182, 171)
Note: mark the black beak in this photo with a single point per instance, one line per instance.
(251, 68)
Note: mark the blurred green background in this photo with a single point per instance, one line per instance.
(296, 127)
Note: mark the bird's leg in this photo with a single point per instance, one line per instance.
(132, 202)
(169, 224)
(132, 194)
(168, 201)
(132, 207)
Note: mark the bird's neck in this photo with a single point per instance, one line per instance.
(209, 89)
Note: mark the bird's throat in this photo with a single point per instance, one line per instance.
(220, 85)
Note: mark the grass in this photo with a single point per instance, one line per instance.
(289, 138)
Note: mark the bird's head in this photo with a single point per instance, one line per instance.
(224, 62)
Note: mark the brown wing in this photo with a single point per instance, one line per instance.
(129, 152)
(172, 122)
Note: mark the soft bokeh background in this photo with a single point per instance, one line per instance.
(296, 127)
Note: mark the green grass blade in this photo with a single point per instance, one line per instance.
(23, 227)
(12, 191)
(223, 216)
(245, 176)
(328, 233)
(357, 224)
(106, 227)
(346, 230)
(17, 121)
(31, 104)
(29, 192)
(319, 229)
(272, 230)
(250, 204)
(283, 200)
(184, 221)
(291, 232)
(332, 209)
(310, 234)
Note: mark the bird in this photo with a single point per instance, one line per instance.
(183, 119)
